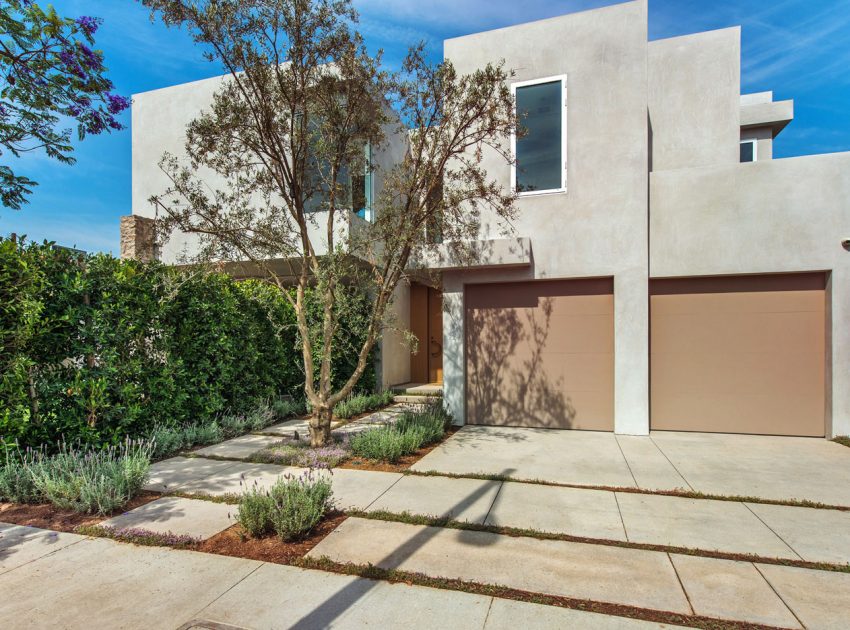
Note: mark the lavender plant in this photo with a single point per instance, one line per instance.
(290, 509)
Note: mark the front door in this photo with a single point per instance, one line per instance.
(426, 323)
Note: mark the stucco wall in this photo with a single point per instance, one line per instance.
(394, 352)
(783, 215)
(694, 99)
(598, 227)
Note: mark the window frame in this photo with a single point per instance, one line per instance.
(564, 162)
(755, 143)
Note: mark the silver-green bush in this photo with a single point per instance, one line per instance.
(292, 507)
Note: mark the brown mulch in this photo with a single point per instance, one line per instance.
(359, 463)
(235, 542)
(47, 516)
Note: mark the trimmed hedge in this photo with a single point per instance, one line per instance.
(94, 349)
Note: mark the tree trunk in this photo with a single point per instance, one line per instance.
(320, 426)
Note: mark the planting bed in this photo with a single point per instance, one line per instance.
(235, 542)
(403, 463)
(48, 516)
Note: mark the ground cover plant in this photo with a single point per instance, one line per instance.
(299, 452)
(412, 431)
(90, 481)
(290, 509)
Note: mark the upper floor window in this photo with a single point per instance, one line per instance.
(540, 149)
(749, 150)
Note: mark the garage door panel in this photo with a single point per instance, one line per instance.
(540, 354)
(732, 302)
(742, 374)
(730, 413)
(728, 332)
(739, 361)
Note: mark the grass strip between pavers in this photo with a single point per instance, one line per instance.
(518, 532)
(684, 494)
(396, 576)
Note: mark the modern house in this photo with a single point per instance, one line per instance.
(663, 272)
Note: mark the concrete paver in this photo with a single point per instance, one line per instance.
(238, 478)
(175, 515)
(239, 447)
(698, 524)
(506, 614)
(573, 511)
(816, 535)
(819, 599)
(358, 489)
(571, 457)
(460, 499)
(650, 468)
(171, 474)
(623, 576)
(725, 589)
(99, 583)
(277, 596)
(20, 545)
(768, 467)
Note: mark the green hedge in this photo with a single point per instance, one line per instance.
(95, 349)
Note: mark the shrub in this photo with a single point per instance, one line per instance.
(284, 408)
(93, 482)
(361, 403)
(86, 481)
(291, 509)
(410, 432)
(16, 481)
(384, 444)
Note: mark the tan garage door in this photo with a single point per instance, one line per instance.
(739, 355)
(541, 354)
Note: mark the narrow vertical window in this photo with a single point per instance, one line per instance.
(748, 150)
(540, 146)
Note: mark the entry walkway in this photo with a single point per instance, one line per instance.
(774, 468)
(51, 580)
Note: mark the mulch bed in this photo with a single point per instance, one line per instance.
(235, 542)
(47, 516)
(359, 463)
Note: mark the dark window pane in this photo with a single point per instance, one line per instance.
(747, 151)
(538, 149)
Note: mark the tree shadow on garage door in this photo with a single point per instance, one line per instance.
(507, 381)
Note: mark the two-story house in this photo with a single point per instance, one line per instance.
(663, 271)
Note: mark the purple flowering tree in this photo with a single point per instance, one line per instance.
(49, 72)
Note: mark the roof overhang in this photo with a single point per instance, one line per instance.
(773, 114)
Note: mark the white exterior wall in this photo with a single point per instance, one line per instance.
(598, 228)
(787, 215)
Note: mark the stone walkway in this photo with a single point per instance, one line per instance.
(68, 581)
(774, 531)
(773, 595)
(776, 468)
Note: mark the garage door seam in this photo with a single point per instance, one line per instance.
(669, 461)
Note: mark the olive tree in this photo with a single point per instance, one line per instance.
(266, 174)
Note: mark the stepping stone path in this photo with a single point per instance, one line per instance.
(238, 448)
(175, 515)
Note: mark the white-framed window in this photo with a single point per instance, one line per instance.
(540, 152)
(749, 150)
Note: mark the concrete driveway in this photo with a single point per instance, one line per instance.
(778, 468)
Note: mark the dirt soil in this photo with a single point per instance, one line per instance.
(359, 463)
(47, 516)
(235, 542)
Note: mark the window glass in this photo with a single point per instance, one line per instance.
(539, 146)
(748, 151)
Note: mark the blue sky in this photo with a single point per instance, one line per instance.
(800, 49)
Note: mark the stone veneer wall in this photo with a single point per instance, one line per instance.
(138, 239)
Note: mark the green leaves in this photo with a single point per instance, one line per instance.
(49, 71)
(95, 348)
